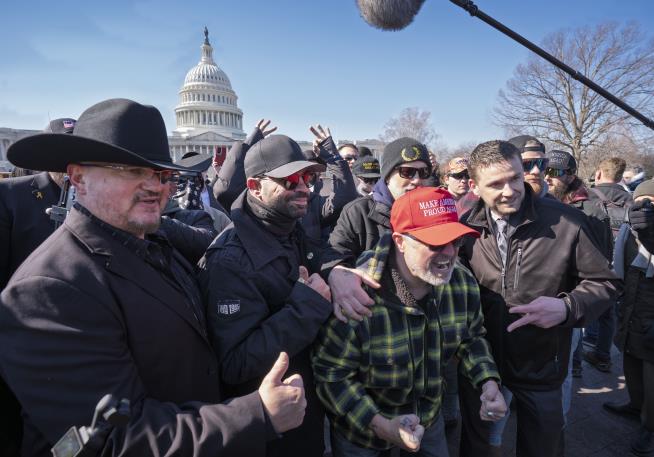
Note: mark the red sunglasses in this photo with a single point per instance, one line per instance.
(292, 181)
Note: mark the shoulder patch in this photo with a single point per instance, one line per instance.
(228, 307)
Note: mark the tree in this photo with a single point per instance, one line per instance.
(544, 101)
(411, 122)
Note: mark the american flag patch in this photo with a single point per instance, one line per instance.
(69, 124)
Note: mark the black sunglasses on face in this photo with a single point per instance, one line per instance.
(529, 164)
(292, 181)
(460, 175)
(555, 173)
(350, 158)
(369, 180)
(410, 172)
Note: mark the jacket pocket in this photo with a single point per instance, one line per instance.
(390, 367)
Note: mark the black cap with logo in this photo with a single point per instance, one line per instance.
(277, 156)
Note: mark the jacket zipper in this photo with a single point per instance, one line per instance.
(516, 279)
(413, 366)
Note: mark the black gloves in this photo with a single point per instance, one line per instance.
(641, 217)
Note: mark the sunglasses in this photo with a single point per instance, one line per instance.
(291, 182)
(458, 243)
(410, 172)
(554, 173)
(369, 180)
(139, 173)
(529, 164)
(350, 158)
(460, 175)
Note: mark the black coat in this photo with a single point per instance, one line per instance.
(256, 308)
(361, 224)
(191, 231)
(635, 326)
(551, 252)
(85, 316)
(24, 225)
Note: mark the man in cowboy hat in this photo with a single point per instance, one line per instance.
(107, 306)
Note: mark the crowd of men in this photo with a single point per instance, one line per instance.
(239, 312)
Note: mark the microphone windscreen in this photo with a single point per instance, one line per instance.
(389, 14)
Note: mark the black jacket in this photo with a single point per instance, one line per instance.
(24, 225)
(635, 325)
(332, 192)
(361, 224)
(191, 231)
(83, 316)
(613, 192)
(550, 253)
(256, 308)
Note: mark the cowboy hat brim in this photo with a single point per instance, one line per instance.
(55, 151)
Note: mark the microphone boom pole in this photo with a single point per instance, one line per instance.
(471, 8)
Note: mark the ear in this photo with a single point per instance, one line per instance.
(399, 241)
(598, 175)
(77, 177)
(473, 187)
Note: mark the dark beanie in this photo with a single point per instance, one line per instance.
(401, 151)
(644, 188)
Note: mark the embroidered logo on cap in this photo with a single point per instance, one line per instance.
(411, 154)
(436, 207)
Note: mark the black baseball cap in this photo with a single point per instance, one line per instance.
(277, 156)
(366, 167)
(561, 160)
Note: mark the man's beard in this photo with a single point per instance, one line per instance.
(536, 185)
(426, 275)
(145, 227)
(558, 192)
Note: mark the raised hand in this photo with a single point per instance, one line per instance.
(263, 124)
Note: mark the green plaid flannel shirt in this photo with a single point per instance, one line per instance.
(392, 362)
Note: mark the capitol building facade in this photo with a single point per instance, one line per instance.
(207, 115)
(208, 119)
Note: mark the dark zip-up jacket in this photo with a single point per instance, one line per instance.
(256, 308)
(550, 253)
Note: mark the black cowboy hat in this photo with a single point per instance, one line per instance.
(113, 131)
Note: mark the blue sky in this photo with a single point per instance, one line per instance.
(295, 62)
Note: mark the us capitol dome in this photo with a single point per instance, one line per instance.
(207, 115)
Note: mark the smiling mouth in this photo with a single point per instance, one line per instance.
(442, 265)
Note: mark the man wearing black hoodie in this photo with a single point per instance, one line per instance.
(405, 165)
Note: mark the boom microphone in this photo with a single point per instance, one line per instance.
(389, 14)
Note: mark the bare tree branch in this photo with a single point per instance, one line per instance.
(546, 102)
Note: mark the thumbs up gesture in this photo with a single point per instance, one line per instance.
(283, 400)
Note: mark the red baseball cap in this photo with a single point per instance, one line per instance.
(429, 215)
